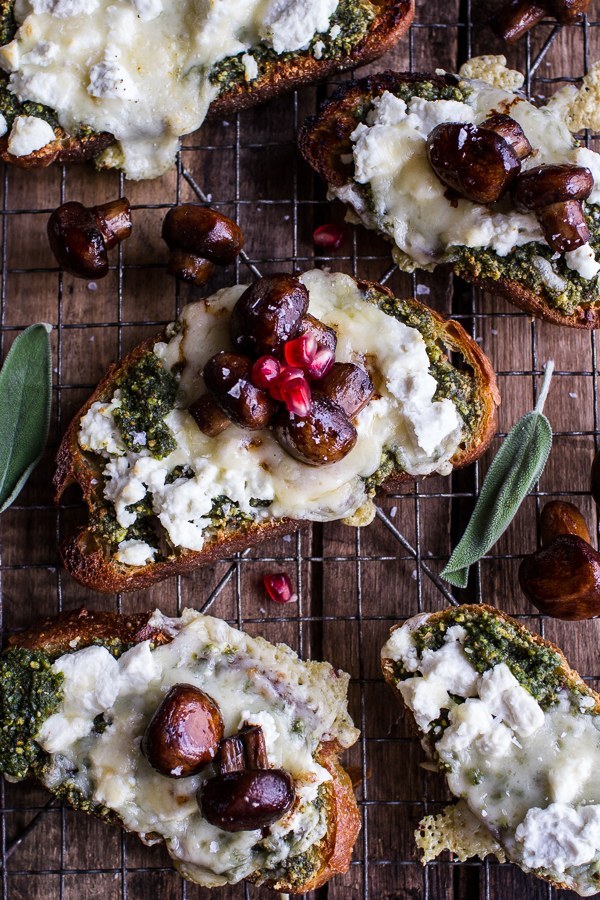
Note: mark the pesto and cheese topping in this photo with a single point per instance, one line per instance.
(250, 471)
(94, 740)
(140, 69)
(395, 190)
(517, 744)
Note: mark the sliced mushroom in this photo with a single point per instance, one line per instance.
(477, 163)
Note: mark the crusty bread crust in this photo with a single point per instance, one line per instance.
(572, 678)
(86, 626)
(86, 559)
(391, 22)
(325, 140)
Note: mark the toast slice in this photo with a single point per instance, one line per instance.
(515, 731)
(248, 509)
(495, 247)
(365, 30)
(76, 696)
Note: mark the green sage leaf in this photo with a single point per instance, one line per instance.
(25, 402)
(515, 469)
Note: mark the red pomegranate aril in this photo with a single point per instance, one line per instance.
(320, 364)
(301, 350)
(264, 371)
(297, 396)
(279, 587)
(329, 236)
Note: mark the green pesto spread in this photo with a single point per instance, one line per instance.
(489, 641)
(29, 693)
(148, 393)
(482, 263)
(352, 17)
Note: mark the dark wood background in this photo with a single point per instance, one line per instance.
(353, 585)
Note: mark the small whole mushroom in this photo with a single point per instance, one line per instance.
(269, 313)
(516, 18)
(554, 193)
(349, 386)
(322, 437)
(184, 733)
(80, 236)
(199, 238)
(477, 163)
(563, 578)
(228, 378)
(246, 794)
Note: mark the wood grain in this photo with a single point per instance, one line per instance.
(352, 586)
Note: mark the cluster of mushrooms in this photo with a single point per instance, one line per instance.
(515, 19)
(282, 373)
(185, 734)
(482, 163)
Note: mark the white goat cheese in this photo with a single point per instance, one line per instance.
(560, 836)
(28, 134)
(135, 553)
(243, 466)
(140, 69)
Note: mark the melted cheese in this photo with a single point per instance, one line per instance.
(139, 69)
(298, 704)
(408, 199)
(242, 465)
(532, 776)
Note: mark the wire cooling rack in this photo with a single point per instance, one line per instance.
(352, 585)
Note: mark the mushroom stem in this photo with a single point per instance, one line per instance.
(114, 221)
(516, 18)
(190, 267)
(231, 755)
(256, 749)
(564, 225)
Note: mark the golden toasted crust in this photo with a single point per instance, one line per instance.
(325, 140)
(86, 558)
(86, 626)
(391, 22)
(572, 678)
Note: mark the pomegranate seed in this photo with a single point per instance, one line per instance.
(279, 588)
(330, 236)
(297, 397)
(321, 363)
(301, 350)
(264, 371)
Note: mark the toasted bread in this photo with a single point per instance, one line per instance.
(91, 560)
(276, 75)
(564, 297)
(540, 691)
(338, 817)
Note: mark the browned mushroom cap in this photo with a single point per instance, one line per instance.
(324, 436)
(202, 231)
(227, 377)
(516, 18)
(563, 579)
(545, 185)
(475, 162)
(184, 732)
(80, 236)
(564, 226)
(569, 11)
(209, 416)
(349, 386)
(268, 314)
(509, 129)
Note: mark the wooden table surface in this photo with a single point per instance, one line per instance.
(353, 585)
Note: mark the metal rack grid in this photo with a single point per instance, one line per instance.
(351, 585)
